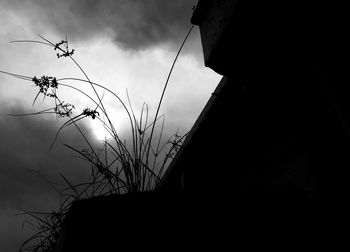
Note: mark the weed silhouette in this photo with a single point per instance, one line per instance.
(117, 168)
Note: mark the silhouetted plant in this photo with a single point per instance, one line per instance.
(130, 169)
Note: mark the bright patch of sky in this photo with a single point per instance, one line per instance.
(142, 73)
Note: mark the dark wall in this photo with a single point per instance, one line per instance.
(278, 129)
(136, 221)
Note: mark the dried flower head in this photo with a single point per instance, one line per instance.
(90, 113)
(65, 52)
(64, 109)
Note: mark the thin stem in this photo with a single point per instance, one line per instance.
(163, 92)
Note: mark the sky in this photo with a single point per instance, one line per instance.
(122, 44)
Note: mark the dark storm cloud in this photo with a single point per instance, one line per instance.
(25, 147)
(24, 152)
(135, 24)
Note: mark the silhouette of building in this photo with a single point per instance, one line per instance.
(277, 124)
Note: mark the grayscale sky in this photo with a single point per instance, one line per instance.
(122, 44)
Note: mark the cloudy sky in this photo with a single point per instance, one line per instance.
(122, 44)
